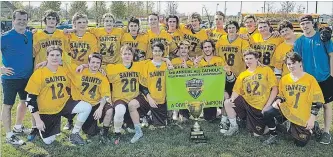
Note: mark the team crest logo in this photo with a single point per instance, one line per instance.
(194, 87)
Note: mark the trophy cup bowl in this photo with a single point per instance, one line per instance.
(195, 109)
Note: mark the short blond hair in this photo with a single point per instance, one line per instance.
(184, 42)
(108, 15)
(127, 48)
(53, 48)
(79, 15)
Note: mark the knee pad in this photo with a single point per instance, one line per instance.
(83, 109)
(119, 113)
(49, 140)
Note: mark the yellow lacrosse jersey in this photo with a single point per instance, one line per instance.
(214, 61)
(50, 89)
(195, 40)
(178, 63)
(216, 34)
(299, 97)
(177, 37)
(42, 40)
(140, 44)
(108, 44)
(81, 47)
(255, 87)
(125, 82)
(278, 58)
(233, 53)
(154, 79)
(243, 30)
(87, 86)
(163, 37)
(266, 48)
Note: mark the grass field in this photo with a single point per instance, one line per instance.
(171, 141)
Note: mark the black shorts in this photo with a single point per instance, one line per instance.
(90, 126)
(11, 87)
(326, 88)
(53, 121)
(229, 86)
(254, 118)
(159, 115)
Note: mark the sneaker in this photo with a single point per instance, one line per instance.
(232, 130)
(224, 128)
(117, 138)
(21, 130)
(136, 137)
(15, 140)
(76, 139)
(325, 138)
(130, 130)
(175, 115)
(272, 139)
(69, 126)
(32, 135)
(144, 122)
(316, 131)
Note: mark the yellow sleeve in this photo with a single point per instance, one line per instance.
(144, 75)
(277, 59)
(316, 92)
(245, 45)
(280, 93)
(238, 86)
(92, 30)
(36, 45)
(94, 47)
(109, 68)
(66, 58)
(105, 87)
(272, 81)
(35, 83)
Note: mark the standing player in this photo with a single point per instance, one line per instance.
(177, 36)
(49, 99)
(195, 35)
(137, 41)
(250, 28)
(254, 91)
(108, 40)
(299, 101)
(156, 35)
(219, 31)
(82, 43)
(318, 62)
(265, 43)
(92, 87)
(287, 32)
(17, 58)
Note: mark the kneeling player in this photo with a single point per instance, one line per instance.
(93, 87)
(49, 99)
(299, 101)
(253, 93)
(154, 91)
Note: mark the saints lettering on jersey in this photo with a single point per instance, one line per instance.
(299, 97)
(163, 37)
(50, 89)
(82, 47)
(140, 44)
(214, 61)
(216, 34)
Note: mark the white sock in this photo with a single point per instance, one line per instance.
(77, 127)
(9, 134)
(233, 121)
(224, 119)
(18, 126)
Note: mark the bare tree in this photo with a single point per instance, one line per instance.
(300, 9)
(207, 14)
(270, 7)
(287, 7)
(171, 9)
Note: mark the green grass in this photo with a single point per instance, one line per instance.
(171, 141)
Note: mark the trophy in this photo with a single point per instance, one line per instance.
(195, 108)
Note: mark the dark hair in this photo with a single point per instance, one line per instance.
(231, 23)
(51, 13)
(196, 15)
(108, 15)
(154, 14)
(21, 12)
(251, 52)
(52, 48)
(250, 17)
(208, 41)
(133, 20)
(260, 21)
(159, 45)
(305, 18)
(220, 13)
(172, 16)
(95, 55)
(294, 57)
(285, 24)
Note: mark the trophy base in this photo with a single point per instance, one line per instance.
(198, 136)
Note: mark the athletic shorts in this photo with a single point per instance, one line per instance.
(90, 126)
(229, 86)
(159, 115)
(254, 118)
(10, 89)
(53, 121)
(127, 117)
(326, 88)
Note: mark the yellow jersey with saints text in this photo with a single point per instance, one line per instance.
(214, 61)
(255, 87)
(279, 55)
(163, 37)
(178, 63)
(140, 44)
(195, 40)
(216, 34)
(81, 47)
(299, 97)
(50, 88)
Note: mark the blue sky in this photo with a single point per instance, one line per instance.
(233, 7)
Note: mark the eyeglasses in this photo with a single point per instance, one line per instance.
(25, 39)
(51, 18)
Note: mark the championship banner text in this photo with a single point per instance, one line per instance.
(195, 85)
